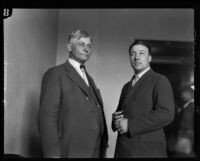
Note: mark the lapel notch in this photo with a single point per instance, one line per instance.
(72, 73)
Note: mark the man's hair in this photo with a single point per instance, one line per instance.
(77, 34)
(139, 42)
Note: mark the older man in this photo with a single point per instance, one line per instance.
(71, 117)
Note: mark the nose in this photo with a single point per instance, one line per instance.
(86, 49)
(136, 56)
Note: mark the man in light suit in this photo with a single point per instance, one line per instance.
(71, 117)
(185, 138)
(145, 107)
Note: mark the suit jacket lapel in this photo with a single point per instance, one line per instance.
(131, 93)
(97, 92)
(72, 73)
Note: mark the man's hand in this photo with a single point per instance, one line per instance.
(117, 116)
(120, 123)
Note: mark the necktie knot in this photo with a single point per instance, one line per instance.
(82, 66)
(135, 79)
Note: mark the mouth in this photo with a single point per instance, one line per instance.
(85, 54)
(137, 63)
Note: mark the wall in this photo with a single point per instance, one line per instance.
(30, 39)
(113, 30)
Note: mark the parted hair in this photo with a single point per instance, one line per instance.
(139, 42)
(77, 34)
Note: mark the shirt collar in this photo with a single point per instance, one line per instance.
(143, 72)
(74, 63)
(187, 103)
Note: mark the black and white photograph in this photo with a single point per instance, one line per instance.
(99, 83)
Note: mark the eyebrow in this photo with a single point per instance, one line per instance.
(81, 42)
(135, 51)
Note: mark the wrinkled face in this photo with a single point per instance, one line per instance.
(80, 49)
(140, 58)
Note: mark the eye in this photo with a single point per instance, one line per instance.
(81, 44)
(142, 52)
(132, 53)
(90, 46)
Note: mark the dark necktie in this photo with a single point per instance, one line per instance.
(82, 67)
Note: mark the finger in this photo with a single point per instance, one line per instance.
(120, 130)
(117, 113)
(119, 120)
(118, 123)
(117, 126)
(118, 117)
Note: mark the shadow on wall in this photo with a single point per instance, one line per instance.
(30, 131)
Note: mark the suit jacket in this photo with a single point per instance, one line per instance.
(149, 106)
(186, 124)
(67, 115)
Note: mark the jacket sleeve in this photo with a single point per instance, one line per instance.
(122, 96)
(47, 115)
(161, 114)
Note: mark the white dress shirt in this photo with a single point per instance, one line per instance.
(187, 103)
(81, 72)
(139, 75)
(142, 73)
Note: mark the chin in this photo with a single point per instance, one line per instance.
(138, 70)
(84, 60)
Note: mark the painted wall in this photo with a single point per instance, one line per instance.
(30, 41)
(113, 30)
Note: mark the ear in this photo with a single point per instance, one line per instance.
(69, 46)
(150, 58)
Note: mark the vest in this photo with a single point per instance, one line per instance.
(98, 109)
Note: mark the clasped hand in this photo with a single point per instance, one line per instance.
(120, 123)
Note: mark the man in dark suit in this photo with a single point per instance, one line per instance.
(185, 138)
(146, 105)
(71, 116)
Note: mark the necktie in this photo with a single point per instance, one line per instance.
(82, 67)
(135, 79)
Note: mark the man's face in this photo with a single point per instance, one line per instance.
(140, 58)
(186, 96)
(80, 49)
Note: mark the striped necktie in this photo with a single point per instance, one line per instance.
(135, 79)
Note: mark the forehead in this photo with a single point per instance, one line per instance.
(86, 40)
(139, 47)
